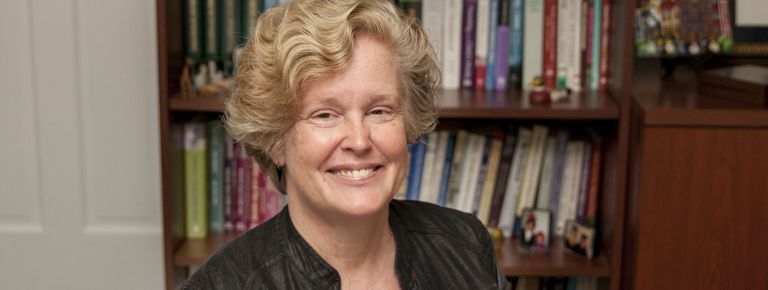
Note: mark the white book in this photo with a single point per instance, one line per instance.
(426, 174)
(572, 46)
(568, 191)
(507, 217)
(533, 40)
(469, 174)
(451, 44)
(437, 171)
(476, 182)
(432, 21)
(481, 38)
(547, 166)
(532, 169)
(562, 65)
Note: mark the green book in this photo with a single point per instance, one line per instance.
(195, 180)
(250, 12)
(216, 136)
(193, 29)
(212, 24)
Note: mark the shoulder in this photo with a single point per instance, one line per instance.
(251, 253)
(426, 219)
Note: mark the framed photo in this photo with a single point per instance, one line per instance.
(534, 229)
(579, 238)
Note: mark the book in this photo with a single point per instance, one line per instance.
(479, 182)
(594, 71)
(549, 62)
(547, 168)
(516, 43)
(469, 23)
(502, 46)
(195, 180)
(257, 194)
(500, 189)
(425, 189)
(230, 182)
(584, 181)
(594, 181)
(533, 40)
(490, 64)
(570, 184)
(243, 172)
(558, 167)
(212, 30)
(439, 164)
(451, 37)
(250, 11)
(605, 46)
(432, 21)
(509, 208)
(447, 167)
(482, 39)
(489, 182)
(415, 168)
(194, 29)
(532, 169)
(470, 172)
(216, 135)
(230, 30)
(452, 198)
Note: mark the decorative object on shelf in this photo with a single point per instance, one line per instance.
(534, 232)
(743, 84)
(579, 238)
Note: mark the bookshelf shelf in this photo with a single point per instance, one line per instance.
(557, 262)
(194, 252)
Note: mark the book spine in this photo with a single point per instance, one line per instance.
(216, 185)
(516, 44)
(250, 12)
(229, 183)
(194, 32)
(452, 199)
(490, 66)
(417, 165)
(479, 178)
(428, 164)
(491, 174)
(549, 62)
(584, 181)
(195, 180)
(447, 167)
(212, 40)
(243, 191)
(452, 44)
(500, 189)
(230, 29)
(605, 32)
(270, 3)
(572, 45)
(532, 50)
(469, 170)
(482, 37)
(594, 71)
(557, 175)
(469, 22)
(594, 182)
(562, 36)
(432, 18)
(508, 210)
(532, 169)
(502, 47)
(545, 180)
(439, 164)
(589, 41)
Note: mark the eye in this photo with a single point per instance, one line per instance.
(381, 114)
(324, 115)
(325, 118)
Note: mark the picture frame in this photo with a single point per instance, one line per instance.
(579, 238)
(534, 230)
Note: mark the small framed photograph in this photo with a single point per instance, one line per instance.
(534, 229)
(579, 238)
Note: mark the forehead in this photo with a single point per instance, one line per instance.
(371, 72)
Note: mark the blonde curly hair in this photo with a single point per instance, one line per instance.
(295, 44)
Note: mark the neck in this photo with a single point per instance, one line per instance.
(351, 245)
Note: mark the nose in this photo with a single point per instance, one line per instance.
(358, 136)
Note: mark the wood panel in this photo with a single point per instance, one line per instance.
(703, 209)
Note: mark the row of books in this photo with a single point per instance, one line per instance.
(554, 283)
(497, 175)
(683, 27)
(501, 44)
(224, 189)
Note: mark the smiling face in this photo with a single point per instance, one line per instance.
(346, 154)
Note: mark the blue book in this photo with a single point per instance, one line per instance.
(490, 67)
(516, 44)
(446, 174)
(416, 167)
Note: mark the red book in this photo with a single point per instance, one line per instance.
(256, 194)
(594, 182)
(549, 66)
(242, 189)
(605, 32)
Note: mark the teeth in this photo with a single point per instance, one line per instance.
(354, 173)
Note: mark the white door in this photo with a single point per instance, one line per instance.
(79, 150)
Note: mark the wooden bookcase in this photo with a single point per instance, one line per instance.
(608, 113)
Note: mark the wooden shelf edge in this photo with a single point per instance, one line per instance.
(557, 262)
(194, 252)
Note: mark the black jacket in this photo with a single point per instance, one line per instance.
(437, 248)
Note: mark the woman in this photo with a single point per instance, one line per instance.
(328, 95)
